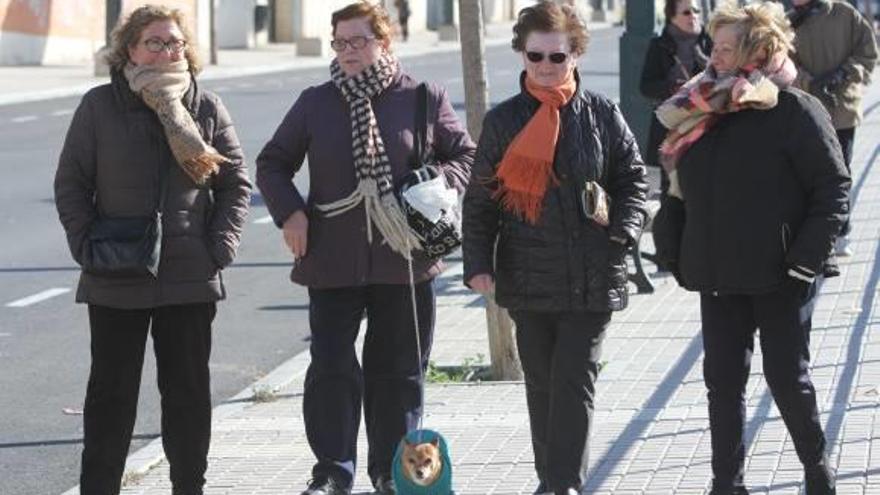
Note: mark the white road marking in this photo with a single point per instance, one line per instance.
(245, 85)
(454, 80)
(39, 297)
(4, 334)
(264, 220)
(24, 118)
(61, 113)
(220, 89)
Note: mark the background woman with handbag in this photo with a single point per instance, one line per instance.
(152, 191)
(673, 57)
(351, 242)
(559, 266)
(758, 195)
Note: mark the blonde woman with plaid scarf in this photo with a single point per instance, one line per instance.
(759, 191)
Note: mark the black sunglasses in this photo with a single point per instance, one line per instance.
(689, 12)
(556, 58)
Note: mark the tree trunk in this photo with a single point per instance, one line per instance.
(212, 20)
(502, 343)
(476, 87)
(112, 13)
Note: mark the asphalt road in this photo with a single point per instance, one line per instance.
(44, 343)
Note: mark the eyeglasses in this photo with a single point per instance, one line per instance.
(156, 45)
(556, 58)
(690, 12)
(356, 42)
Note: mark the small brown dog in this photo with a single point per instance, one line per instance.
(421, 463)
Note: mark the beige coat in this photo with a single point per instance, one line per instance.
(838, 36)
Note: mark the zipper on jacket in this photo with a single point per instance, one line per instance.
(714, 185)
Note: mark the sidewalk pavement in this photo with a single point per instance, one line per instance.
(19, 84)
(651, 426)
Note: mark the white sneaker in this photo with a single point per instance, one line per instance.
(841, 247)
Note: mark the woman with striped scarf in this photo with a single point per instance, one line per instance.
(352, 246)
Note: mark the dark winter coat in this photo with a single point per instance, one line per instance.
(657, 86)
(318, 127)
(764, 190)
(109, 166)
(565, 262)
(837, 36)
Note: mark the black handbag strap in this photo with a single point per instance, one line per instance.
(420, 130)
(163, 187)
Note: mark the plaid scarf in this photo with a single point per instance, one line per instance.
(703, 100)
(162, 87)
(372, 168)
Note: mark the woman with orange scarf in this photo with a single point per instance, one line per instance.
(558, 185)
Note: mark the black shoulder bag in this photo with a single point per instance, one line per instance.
(127, 246)
(444, 236)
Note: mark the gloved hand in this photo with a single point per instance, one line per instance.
(826, 86)
(798, 281)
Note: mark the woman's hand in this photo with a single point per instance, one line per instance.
(482, 283)
(296, 233)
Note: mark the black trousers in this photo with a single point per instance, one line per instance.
(404, 27)
(182, 343)
(560, 359)
(847, 138)
(729, 324)
(388, 385)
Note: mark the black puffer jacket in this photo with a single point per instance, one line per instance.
(763, 189)
(565, 262)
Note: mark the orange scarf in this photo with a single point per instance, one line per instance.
(526, 170)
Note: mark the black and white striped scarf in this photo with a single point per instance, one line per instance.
(371, 165)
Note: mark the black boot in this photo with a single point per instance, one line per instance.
(819, 480)
(718, 489)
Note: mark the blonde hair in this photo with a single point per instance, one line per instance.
(128, 34)
(761, 27)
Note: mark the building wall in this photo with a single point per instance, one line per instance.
(235, 23)
(284, 20)
(47, 32)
